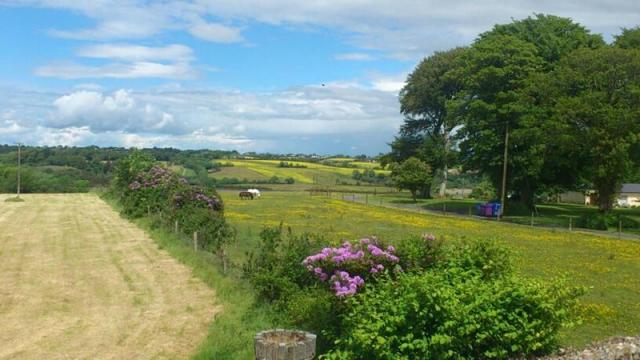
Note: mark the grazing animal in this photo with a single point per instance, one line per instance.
(255, 192)
(246, 195)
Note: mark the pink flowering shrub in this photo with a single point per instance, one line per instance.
(346, 268)
(156, 190)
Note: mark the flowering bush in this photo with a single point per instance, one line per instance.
(146, 187)
(348, 266)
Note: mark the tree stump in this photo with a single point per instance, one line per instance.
(280, 344)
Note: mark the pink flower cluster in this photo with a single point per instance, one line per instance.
(211, 202)
(364, 258)
(155, 177)
(344, 284)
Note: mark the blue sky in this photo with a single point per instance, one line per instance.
(278, 76)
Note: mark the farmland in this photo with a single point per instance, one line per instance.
(78, 281)
(607, 267)
(301, 172)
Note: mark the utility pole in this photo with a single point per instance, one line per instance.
(504, 170)
(443, 185)
(18, 175)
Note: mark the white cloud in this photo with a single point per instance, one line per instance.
(128, 52)
(216, 32)
(305, 118)
(129, 62)
(354, 57)
(402, 28)
(68, 136)
(116, 112)
(140, 69)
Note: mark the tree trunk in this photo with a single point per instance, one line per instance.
(425, 192)
(527, 194)
(414, 194)
(606, 195)
(445, 172)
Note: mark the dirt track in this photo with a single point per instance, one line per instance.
(79, 282)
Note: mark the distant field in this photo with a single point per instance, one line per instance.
(312, 173)
(608, 267)
(79, 282)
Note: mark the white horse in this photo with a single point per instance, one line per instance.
(255, 192)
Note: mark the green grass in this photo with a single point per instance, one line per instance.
(608, 267)
(238, 172)
(14, 199)
(550, 215)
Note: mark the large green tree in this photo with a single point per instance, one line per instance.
(595, 96)
(498, 70)
(501, 70)
(428, 127)
(628, 39)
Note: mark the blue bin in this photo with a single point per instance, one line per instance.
(496, 208)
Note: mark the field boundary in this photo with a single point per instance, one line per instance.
(421, 210)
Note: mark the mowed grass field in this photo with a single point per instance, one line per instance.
(79, 282)
(313, 173)
(608, 267)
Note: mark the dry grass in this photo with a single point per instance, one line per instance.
(77, 281)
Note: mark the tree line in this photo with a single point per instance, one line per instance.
(542, 100)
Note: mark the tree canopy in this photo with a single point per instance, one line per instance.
(568, 101)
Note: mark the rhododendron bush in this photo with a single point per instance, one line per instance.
(427, 299)
(146, 187)
(347, 267)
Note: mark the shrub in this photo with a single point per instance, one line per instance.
(347, 267)
(419, 253)
(595, 221)
(484, 258)
(156, 189)
(275, 269)
(628, 222)
(439, 315)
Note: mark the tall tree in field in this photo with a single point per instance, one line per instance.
(628, 39)
(596, 104)
(412, 174)
(428, 126)
(553, 36)
(500, 69)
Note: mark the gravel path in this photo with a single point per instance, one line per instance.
(622, 348)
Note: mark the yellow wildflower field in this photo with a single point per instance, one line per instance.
(608, 267)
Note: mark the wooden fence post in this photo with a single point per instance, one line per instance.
(570, 223)
(175, 226)
(224, 261)
(619, 229)
(195, 241)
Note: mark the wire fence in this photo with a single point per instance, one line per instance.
(559, 223)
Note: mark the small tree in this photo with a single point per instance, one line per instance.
(412, 174)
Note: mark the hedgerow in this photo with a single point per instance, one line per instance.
(146, 187)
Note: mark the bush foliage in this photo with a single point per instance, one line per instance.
(428, 299)
(145, 187)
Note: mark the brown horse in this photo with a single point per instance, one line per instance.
(246, 195)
